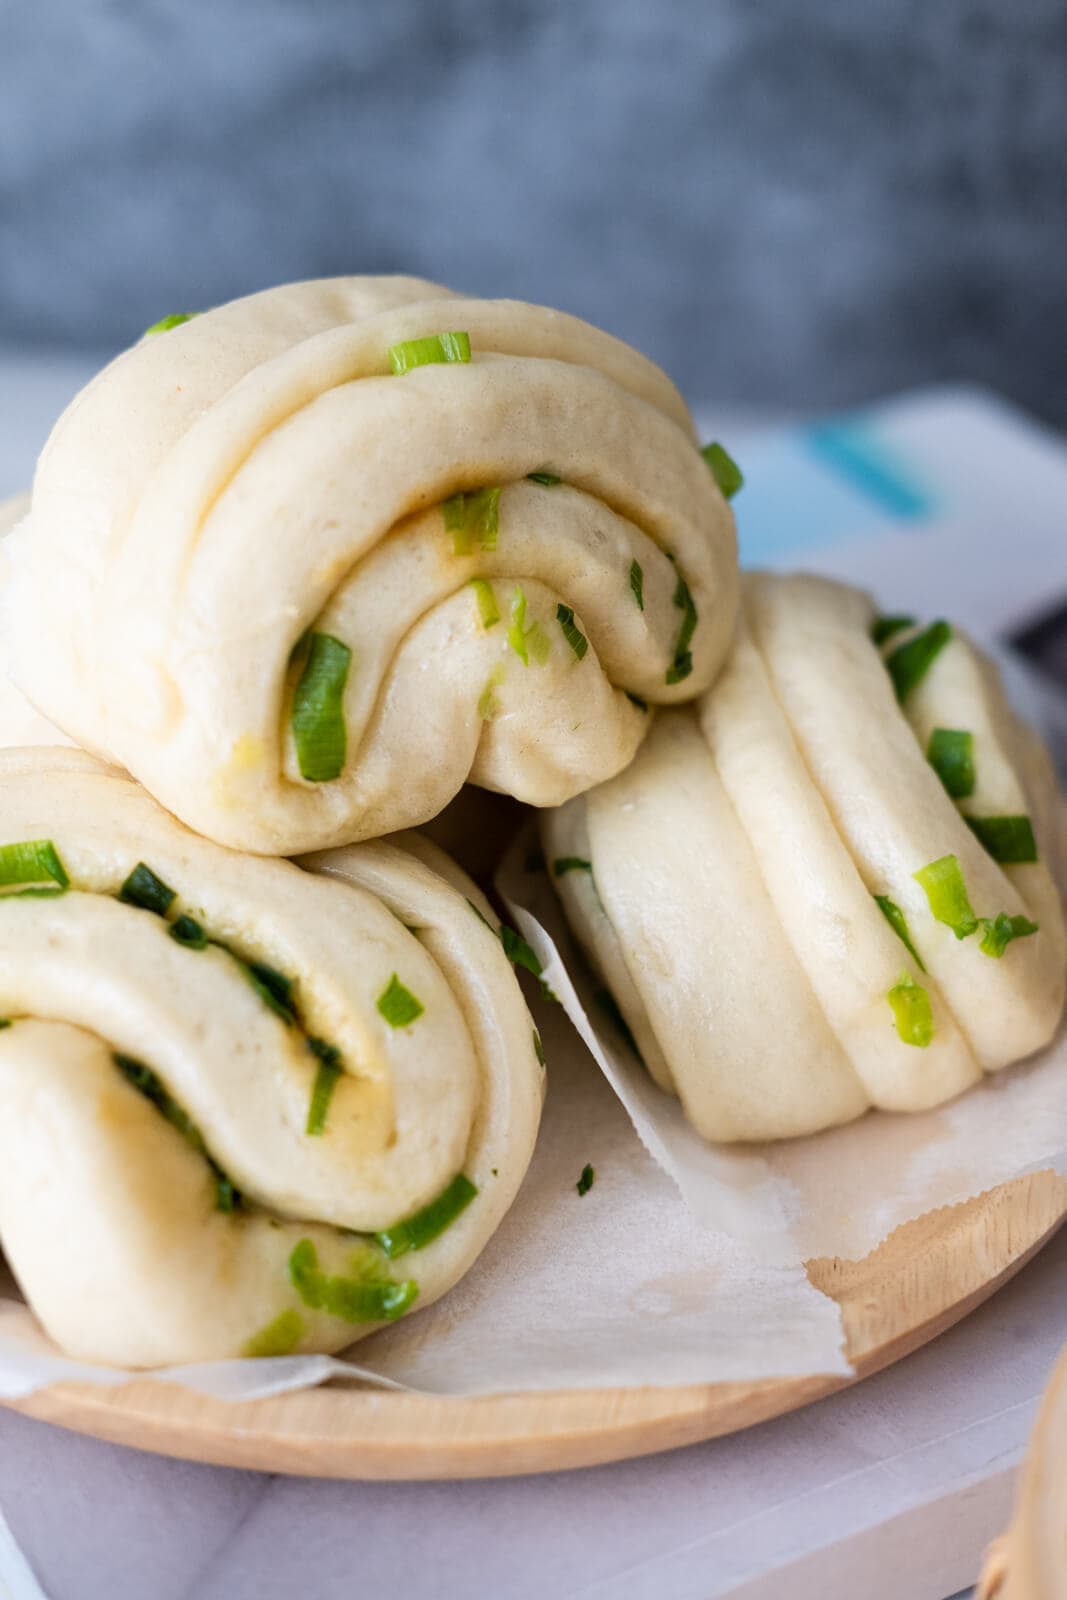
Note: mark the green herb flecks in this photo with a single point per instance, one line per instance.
(999, 932)
(185, 930)
(909, 663)
(417, 1231)
(637, 584)
(148, 1083)
(898, 922)
(318, 709)
(946, 894)
(912, 1012)
(144, 889)
(278, 1338)
(473, 519)
(724, 469)
(362, 1299)
(526, 641)
(547, 480)
(34, 863)
(585, 1182)
(950, 751)
(573, 635)
(174, 320)
(1009, 840)
(435, 349)
(485, 597)
(682, 665)
(398, 1005)
(883, 628)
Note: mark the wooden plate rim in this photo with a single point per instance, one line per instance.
(926, 1276)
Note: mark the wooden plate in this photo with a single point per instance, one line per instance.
(926, 1276)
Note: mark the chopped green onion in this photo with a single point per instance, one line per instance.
(637, 584)
(585, 1182)
(272, 986)
(426, 1225)
(682, 665)
(473, 517)
(518, 951)
(325, 1083)
(142, 888)
(912, 1012)
(1001, 930)
(488, 704)
(724, 469)
(910, 662)
(950, 752)
(482, 918)
(278, 1338)
(564, 864)
(898, 922)
(398, 1005)
(573, 635)
(486, 598)
(175, 320)
(318, 709)
(5, 1022)
(607, 1002)
(148, 1083)
(526, 641)
(539, 1049)
(946, 893)
(34, 862)
(883, 628)
(1009, 840)
(187, 931)
(436, 348)
(635, 700)
(547, 479)
(350, 1299)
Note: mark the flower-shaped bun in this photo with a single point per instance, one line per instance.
(306, 563)
(828, 886)
(246, 1107)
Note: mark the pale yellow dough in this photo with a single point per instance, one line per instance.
(20, 722)
(107, 1214)
(257, 472)
(731, 907)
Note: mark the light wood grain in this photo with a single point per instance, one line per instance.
(926, 1276)
(1030, 1562)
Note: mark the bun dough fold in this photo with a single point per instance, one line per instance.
(751, 897)
(232, 489)
(211, 1105)
(20, 722)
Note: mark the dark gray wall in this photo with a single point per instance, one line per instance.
(799, 202)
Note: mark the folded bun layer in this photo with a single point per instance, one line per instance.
(246, 1106)
(303, 597)
(828, 887)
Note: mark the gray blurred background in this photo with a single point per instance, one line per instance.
(789, 203)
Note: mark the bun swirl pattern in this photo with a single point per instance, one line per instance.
(828, 887)
(245, 1107)
(303, 597)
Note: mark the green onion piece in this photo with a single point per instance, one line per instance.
(573, 635)
(724, 469)
(272, 986)
(517, 629)
(898, 922)
(34, 862)
(539, 1049)
(912, 1013)
(537, 643)
(635, 700)
(486, 598)
(471, 518)
(278, 1338)
(1009, 840)
(607, 1002)
(142, 888)
(187, 931)
(398, 1005)
(518, 951)
(950, 752)
(488, 704)
(946, 893)
(431, 351)
(564, 864)
(426, 1225)
(148, 1083)
(548, 479)
(637, 584)
(5, 1022)
(1001, 930)
(909, 663)
(175, 320)
(883, 628)
(318, 710)
(350, 1299)
(326, 1077)
(682, 665)
(585, 1182)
